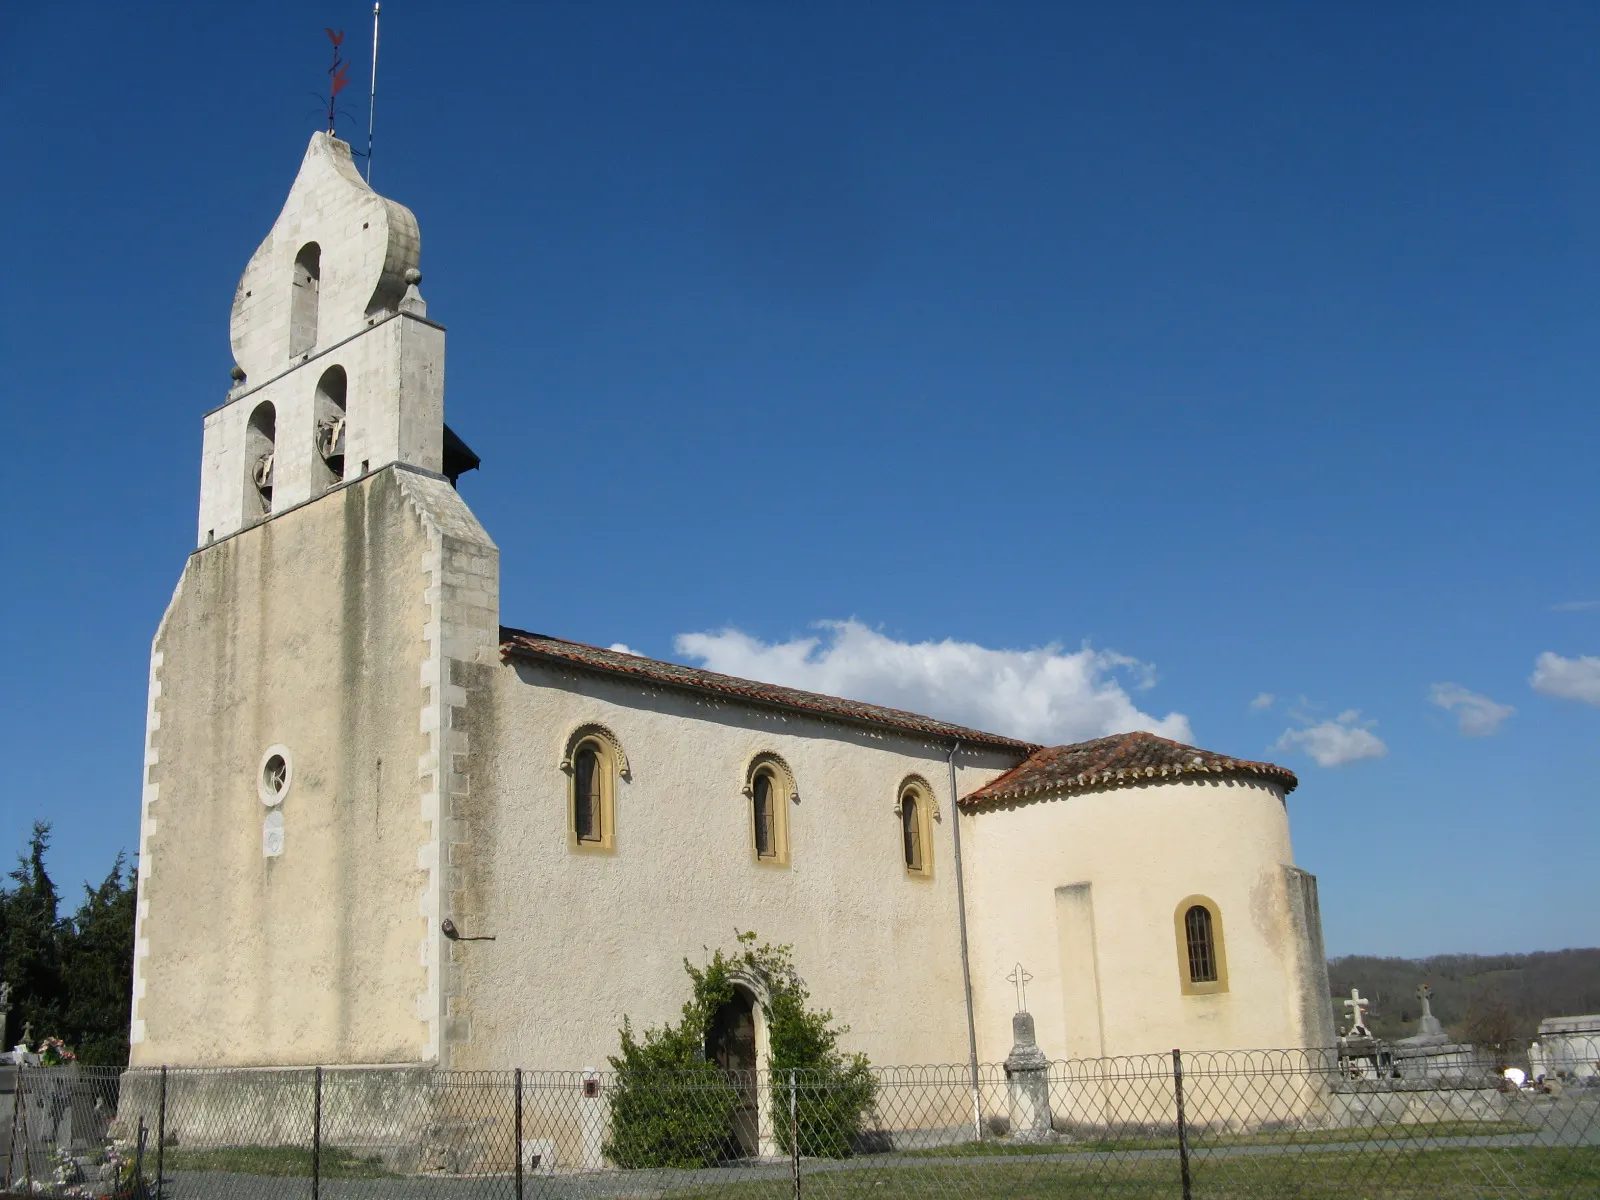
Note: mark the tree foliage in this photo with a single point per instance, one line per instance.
(70, 977)
(672, 1107)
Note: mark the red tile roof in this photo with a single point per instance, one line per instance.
(518, 643)
(1124, 758)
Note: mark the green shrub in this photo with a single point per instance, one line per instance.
(833, 1092)
(671, 1107)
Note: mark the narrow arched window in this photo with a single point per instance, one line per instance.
(911, 831)
(769, 789)
(1202, 958)
(761, 813)
(593, 763)
(303, 299)
(1202, 948)
(330, 407)
(588, 801)
(914, 805)
(260, 439)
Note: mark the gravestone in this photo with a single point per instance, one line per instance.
(1429, 1053)
(1358, 1005)
(1027, 1084)
(1429, 1026)
(1027, 1073)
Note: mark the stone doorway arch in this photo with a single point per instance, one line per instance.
(737, 1041)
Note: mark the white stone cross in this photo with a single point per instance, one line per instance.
(1020, 978)
(1358, 1010)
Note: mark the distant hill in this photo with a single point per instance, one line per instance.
(1556, 983)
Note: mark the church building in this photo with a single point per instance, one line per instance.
(385, 823)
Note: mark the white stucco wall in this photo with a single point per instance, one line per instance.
(584, 939)
(332, 630)
(1104, 957)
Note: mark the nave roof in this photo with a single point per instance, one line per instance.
(518, 643)
(1123, 758)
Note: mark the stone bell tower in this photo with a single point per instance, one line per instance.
(306, 762)
(338, 371)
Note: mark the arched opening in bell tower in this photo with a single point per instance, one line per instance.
(330, 409)
(261, 435)
(303, 300)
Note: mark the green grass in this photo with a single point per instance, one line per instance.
(274, 1161)
(1203, 1141)
(1420, 1175)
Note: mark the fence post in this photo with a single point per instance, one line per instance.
(27, 1152)
(161, 1134)
(316, 1134)
(138, 1162)
(794, 1132)
(1183, 1126)
(11, 1146)
(516, 1076)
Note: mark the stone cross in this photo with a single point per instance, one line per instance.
(1020, 978)
(1358, 1010)
(1429, 1026)
(5, 1010)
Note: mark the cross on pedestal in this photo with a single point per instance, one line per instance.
(1358, 1010)
(1020, 978)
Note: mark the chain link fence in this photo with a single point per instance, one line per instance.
(1181, 1125)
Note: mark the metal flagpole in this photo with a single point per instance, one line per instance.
(372, 96)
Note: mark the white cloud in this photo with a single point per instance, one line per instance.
(1043, 695)
(1336, 743)
(1477, 716)
(623, 648)
(1575, 606)
(1262, 700)
(1567, 678)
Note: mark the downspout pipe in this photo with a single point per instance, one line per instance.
(966, 962)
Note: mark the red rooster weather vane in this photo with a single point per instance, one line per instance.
(338, 74)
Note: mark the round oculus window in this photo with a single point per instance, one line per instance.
(275, 776)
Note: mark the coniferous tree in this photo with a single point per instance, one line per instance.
(97, 970)
(31, 951)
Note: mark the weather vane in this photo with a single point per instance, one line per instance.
(339, 79)
(338, 74)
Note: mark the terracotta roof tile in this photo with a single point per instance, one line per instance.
(1121, 759)
(518, 643)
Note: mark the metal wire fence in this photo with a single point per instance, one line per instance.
(1214, 1125)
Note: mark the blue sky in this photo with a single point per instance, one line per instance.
(1233, 367)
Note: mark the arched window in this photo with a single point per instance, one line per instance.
(1202, 950)
(911, 831)
(769, 786)
(915, 809)
(761, 812)
(260, 437)
(330, 407)
(1202, 964)
(303, 300)
(593, 763)
(588, 802)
